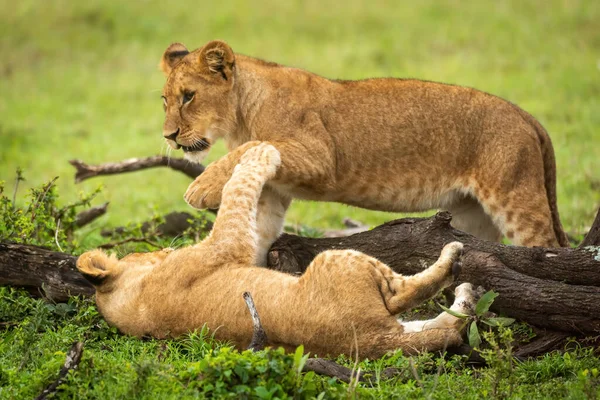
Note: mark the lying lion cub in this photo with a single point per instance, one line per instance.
(343, 296)
(385, 144)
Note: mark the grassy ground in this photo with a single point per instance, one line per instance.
(80, 80)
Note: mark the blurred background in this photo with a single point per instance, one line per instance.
(79, 79)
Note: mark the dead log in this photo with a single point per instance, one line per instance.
(556, 289)
(42, 272)
(86, 171)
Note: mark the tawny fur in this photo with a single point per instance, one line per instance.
(345, 297)
(398, 145)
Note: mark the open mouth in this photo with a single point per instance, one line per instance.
(199, 145)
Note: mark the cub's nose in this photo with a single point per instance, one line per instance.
(172, 136)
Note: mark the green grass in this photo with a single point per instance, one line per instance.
(80, 79)
(37, 335)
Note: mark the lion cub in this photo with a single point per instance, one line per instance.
(344, 296)
(398, 145)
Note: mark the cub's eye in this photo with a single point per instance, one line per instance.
(188, 96)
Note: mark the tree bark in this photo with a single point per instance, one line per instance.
(42, 272)
(557, 289)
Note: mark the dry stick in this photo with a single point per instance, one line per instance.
(86, 216)
(86, 171)
(71, 362)
(259, 336)
(129, 240)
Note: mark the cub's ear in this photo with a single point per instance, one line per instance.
(218, 58)
(96, 266)
(172, 56)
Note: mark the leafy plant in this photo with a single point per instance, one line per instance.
(41, 221)
(481, 317)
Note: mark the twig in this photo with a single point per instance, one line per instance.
(355, 373)
(86, 171)
(71, 362)
(41, 197)
(86, 216)
(413, 370)
(332, 369)
(129, 240)
(17, 180)
(56, 235)
(259, 336)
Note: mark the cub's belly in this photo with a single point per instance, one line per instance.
(393, 194)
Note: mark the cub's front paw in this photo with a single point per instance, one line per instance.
(205, 191)
(263, 157)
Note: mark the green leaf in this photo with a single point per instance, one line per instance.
(498, 321)
(474, 337)
(484, 303)
(299, 360)
(454, 313)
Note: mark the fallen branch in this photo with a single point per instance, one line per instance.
(40, 270)
(175, 224)
(71, 362)
(89, 215)
(86, 171)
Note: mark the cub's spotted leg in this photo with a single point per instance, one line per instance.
(464, 303)
(234, 237)
(404, 292)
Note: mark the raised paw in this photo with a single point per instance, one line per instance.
(449, 262)
(263, 157)
(206, 190)
(452, 251)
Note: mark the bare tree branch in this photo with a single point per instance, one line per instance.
(86, 171)
(89, 215)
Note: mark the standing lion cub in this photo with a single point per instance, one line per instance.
(345, 299)
(398, 145)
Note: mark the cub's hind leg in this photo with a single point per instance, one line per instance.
(404, 292)
(464, 303)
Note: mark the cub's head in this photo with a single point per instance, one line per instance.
(197, 96)
(117, 282)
